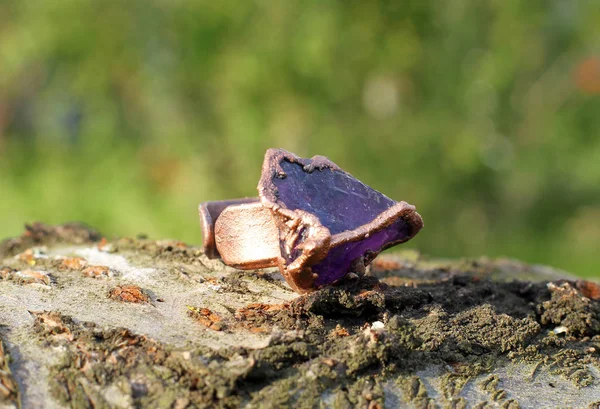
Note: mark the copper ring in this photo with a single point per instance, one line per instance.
(288, 225)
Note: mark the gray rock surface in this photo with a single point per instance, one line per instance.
(86, 323)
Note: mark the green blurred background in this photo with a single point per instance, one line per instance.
(484, 114)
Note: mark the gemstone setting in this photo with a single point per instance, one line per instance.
(329, 222)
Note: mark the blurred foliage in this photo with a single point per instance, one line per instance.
(484, 114)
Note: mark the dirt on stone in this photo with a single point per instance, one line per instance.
(464, 324)
(348, 342)
(568, 308)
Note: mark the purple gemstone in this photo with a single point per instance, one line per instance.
(341, 222)
(340, 259)
(340, 201)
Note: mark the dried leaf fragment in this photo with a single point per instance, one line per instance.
(32, 277)
(103, 245)
(128, 293)
(257, 317)
(7, 273)
(257, 310)
(98, 272)
(589, 289)
(340, 331)
(52, 323)
(9, 391)
(207, 318)
(24, 277)
(73, 264)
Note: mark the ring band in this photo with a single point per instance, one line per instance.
(241, 232)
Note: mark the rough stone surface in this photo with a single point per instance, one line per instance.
(416, 333)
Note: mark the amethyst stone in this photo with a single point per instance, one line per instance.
(339, 201)
(329, 222)
(340, 259)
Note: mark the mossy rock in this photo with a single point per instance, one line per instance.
(128, 323)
